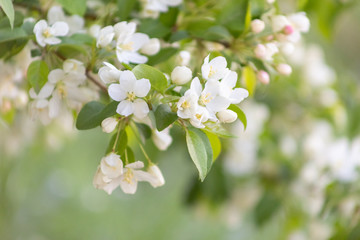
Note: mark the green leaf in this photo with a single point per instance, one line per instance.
(247, 17)
(241, 115)
(249, 76)
(93, 113)
(129, 155)
(216, 33)
(215, 144)
(74, 7)
(157, 79)
(266, 207)
(200, 150)
(37, 74)
(8, 8)
(179, 35)
(144, 130)
(7, 34)
(218, 130)
(154, 28)
(169, 18)
(121, 143)
(125, 8)
(71, 50)
(164, 116)
(163, 55)
(18, 21)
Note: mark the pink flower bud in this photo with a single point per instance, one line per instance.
(288, 29)
(263, 77)
(284, 69)
(260, 51)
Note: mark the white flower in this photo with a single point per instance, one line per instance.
(109, 124)
(124, 29)
(299, 21)
(75, 22)
(284, 69)
(226, 116)
(105, 37)
(94, 30)
(257, 25)
(128, 93)
(131, 176)
(109, 73)
(158, 177)
(187, 104)
(215, 69)
(183, 58)
(162, 140)
(127, 48)
(201, 116)
(263, 77)
(181, 75)
(266, 51)
(48, 34)
(153, 7)
(152, 47)
(39, 108)
(291, 26)
(227, 84)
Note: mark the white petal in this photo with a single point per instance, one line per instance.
(218, 104)
(125, 108)
(218, 62)
(46, 90)
(56, 75)
(52, 40)
(55, 14)
(128, 187)
(230, 79)
(196, 86)
(134, 57)
(135, 165)
(142, 87)
(141, 109)
(54, 105)
(143, 176)
(116, 92)
(127, 81)
(42, 103)
(60, 28)
(238, 95)
(111, 186)
(40, 26)
(138, 40)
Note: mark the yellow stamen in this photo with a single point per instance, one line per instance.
(129, 175)
(205, 99)
(185, 104)
(127, 46)
(211, 71)
(131, 96)
(47, 33)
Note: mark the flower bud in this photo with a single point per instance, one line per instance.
(184, 58)
(152, 47)
(288, 29)
(257, 26)
(226, 116)
(260, 51)
(263, 77)
(109, 73)
(162, 140)
(270, 1)
(279, 22)
(181, 75)
(284, 69)
(159, 178)
(109, 124)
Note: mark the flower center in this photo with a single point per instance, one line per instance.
(128, 176)
(47, 33)
(131, 96)
(185, 104)
(205, 98)
(127, 46)
(198, 116)
(211, 71)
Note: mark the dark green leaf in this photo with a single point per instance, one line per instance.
(200, 150)
(8, 8)
(216, 33)
(162, 56)
(164, 116)
(157, 79)
(74, 7)
(130, 156)
(8, 34)
(241, 115)
(154, 28)
(169, 18)
(144, 130)
(179, 35)
(37, 74)
(266, 208)
(120, 145)
(125, 8)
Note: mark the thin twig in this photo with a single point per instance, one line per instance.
(91, 78)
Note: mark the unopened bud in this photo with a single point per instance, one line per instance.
(181, 75)
(109, 124)
(257, 26)
(288, 29)
(284, 69)
(152, 47)
(263, 77)
(159, 178)
(260, 51)
(226, 116)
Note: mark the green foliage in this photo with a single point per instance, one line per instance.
(163, 55)
(37, 74)
(144, 130)
(157, 79)
(125, 8)
(74, 7)
(164, 116)
(266, 208)
(200, 151)
(241, 115)
(215, 144)
(93, 113)
(249, 77)
(8, 8)
(121, 143)
(154, 28)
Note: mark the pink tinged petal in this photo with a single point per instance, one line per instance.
(230, 79)
(142, 87)
(238, 95)
(116, 92)
(137, 40)
(135, 165)
(196, 86)
(128, 187)
(125, 108)
(54, 105)
(46, 90)
(127, 81)
(56, 75)
(140, 108)
(60, 28)
(52, 41)
(218, 104)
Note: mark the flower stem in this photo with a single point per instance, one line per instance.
(141, 145)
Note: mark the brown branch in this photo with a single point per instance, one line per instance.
(91, 78)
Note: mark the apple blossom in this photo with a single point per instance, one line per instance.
(226, 116)
(214, 69)
(162, 139)
(181, 75)
(152, 47)
(109, 73)
(105, 36)
(284, 69)
(159, 178)
(46, 34)
(109, 124)
(257, 25)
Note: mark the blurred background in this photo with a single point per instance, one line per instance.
(293, 174)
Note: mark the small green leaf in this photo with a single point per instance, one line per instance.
(37, 74)
(125, 8)
(74, 7)
(249, 77)
(154, 28)
(8, 8)
(7, 34)
(266, 208)
(93, 113)
(218, 130)
(169, 18)
(200, 150)
(241, 115)
(144, 130)
(164, 116)
(215, 144)
(120, 145)
(217, 33)
(247, 17)
(157, 79)
(129, 155)
(162, 56)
